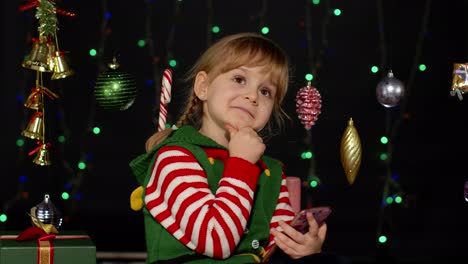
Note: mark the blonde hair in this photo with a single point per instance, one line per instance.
(230, 52)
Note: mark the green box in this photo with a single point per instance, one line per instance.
(66, 251)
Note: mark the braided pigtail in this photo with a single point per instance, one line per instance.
(191, 114)
(157, 138)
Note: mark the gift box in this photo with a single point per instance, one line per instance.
(67, 247)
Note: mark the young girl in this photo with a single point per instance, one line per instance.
(210, 194)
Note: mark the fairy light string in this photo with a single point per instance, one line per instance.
(209, 22)
(151, 47)
(263, 16)
(315, 55)
(391, 186)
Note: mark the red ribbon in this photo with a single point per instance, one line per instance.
(35, 3)
(38, 148)
(37, 114)
(64, 13)
(34, 232)
(38, 90)
(29, 5)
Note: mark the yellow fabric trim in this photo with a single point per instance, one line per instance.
(255, 257)
(136, 200)
(262, 252)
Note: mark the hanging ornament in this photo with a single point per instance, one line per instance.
(351, 152)
(61, 69)
(35, 127)
(35, 99)
(46, 215)
(308, 105)
(115, 90)
(460, 80)
(42, 158)
(390, 90)
(39, 57)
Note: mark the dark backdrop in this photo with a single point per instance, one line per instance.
(429, 145)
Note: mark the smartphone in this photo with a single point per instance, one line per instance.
(301, 224)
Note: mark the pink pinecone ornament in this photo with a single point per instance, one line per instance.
(308, 104)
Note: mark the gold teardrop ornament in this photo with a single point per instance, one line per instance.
(351, 152)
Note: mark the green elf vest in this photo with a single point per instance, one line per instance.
(161, 245)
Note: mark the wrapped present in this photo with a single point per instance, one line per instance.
(33, 246)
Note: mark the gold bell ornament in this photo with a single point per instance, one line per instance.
(42, 158)
(351, 152)
(39, 57)
(61, 68)
(35, 128)
(35, 99)
(460, 80)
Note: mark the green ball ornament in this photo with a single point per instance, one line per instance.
(115, 90)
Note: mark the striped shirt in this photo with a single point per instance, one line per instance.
(178, 195)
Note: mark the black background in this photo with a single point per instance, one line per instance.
(429, 145)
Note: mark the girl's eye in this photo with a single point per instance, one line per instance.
(265, 92)
(239, 79)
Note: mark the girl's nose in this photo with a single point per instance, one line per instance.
(252, 97)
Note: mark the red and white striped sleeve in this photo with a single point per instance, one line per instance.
(179, 198)
(283, 211)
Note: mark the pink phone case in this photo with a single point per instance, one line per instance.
(301, 224)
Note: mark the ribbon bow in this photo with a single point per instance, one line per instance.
(40, 231)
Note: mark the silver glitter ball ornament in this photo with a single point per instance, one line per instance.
(390, 90)
(47, 213)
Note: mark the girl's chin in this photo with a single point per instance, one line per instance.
(241, 121)
(241, 124)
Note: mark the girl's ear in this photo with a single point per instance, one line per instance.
(200, 86)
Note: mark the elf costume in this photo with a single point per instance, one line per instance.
(173, 229)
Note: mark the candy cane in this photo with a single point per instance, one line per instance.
(165, 98)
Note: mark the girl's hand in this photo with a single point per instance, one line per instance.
(298, 245)
(245, 143)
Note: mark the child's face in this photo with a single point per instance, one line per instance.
(242, 97)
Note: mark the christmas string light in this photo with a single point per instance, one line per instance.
(210, 28)
(262, 18)
(172, 31)
(314, 58)
(155, 60)
(167, 57)
(392, 191)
